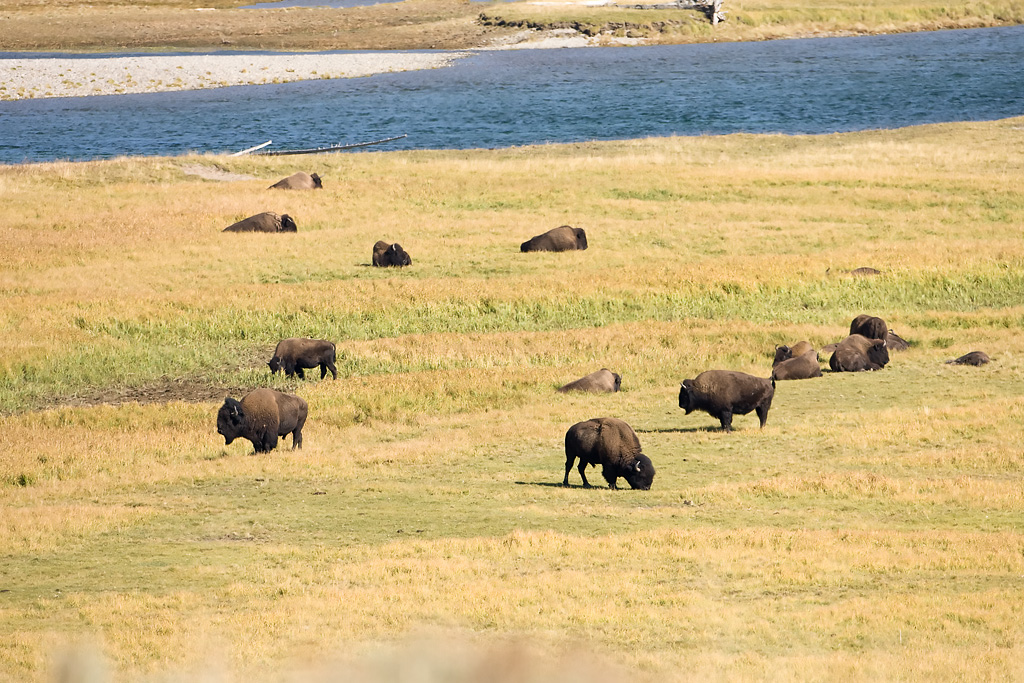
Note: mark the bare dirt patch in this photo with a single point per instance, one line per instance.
(163, 391)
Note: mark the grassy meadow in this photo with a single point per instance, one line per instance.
(873, 530)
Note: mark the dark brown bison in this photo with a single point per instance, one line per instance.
(298, 181)
(385, 255)
(857, 353)
(724, 393)
(612, 444)
(976, 358)
(295, 355)
(604, 381)
(801, 367)
(869, 326)
(564, 238)
(895, 342)
(262, 416)
(786, 352)
(267, 221)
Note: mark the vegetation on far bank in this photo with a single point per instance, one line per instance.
(872, 529)
(74, 25)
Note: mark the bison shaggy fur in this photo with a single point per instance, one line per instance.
(976, 358)
(564, 238)
(724, 393)
(268, 221)
(801, 367)
(296, 355)
(262, 416)
(612, 444)
(385, 255)
(604, 381)
(895, 342)
(869, 326)
(857, 353)
(784, 352)
(298, 181)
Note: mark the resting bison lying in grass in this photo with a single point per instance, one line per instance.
(262, 416)
(385, 255)
(298, 181)
(895, 342)
(724, 393)
(857, 353)
(612, 444)
(564, 238)
(604, 381)
(976, 358)
(783, 353)
(801, 367)
(267, 221)
(295, 355)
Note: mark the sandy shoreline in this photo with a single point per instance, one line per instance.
(78, 77)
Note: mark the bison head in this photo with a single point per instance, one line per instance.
(288, 224)
(618, 381)
(230, 420)
(317, 185)
(782, 353)
(397, 256)
(640, 474)
(686, 396)
(878, 353)
(581, 238)
(274, 364)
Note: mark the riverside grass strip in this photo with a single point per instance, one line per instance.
(871, 530)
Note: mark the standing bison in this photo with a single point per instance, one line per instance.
(262, 416)
(295, 355)
(858, 353)
(724, 393)
(604, 381)
(564, 238)
(268, 221)
(612, 444)
(298, 181)
(386, 255)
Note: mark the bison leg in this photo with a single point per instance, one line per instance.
(762, 414)
(569, 460)
(300, 372)
(330, 366)
(726, 419)
(583, 475)
(297, 438)
(611, 477)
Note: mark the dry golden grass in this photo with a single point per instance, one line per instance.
(872, 530)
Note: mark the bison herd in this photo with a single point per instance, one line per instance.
(264, 415)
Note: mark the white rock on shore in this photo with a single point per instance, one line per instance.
(77, 77)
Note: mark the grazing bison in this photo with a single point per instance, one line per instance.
(385, 255)
(895, 342)
(565, 238)
(604, 381)
(976, 358)
(295, 355)
(869, 326)
(857, 353)
(724, 393)
(267, 221)
(262, 416)
(298, 181)
(784, 352)
(800, 367)
(612, 444)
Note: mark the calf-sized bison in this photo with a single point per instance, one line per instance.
(612, 444)
(564, 238)
(869, 326)
(295, 355)
(604, 381)
(857, 353)
(801, 367)
(784, 352)
(724, 393)
(386, 255)
(298, 181)
(262, 416)
(268, 221)
(976, 358)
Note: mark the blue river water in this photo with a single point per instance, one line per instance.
(509, 98)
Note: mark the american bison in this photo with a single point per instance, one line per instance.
(564, 238)
(724, 393)
(268, 221)
(869, 326)
(801, 367)
(612, 444)
(295, 355)
(895, 342)
(262, 416)
(298, 181)
(784, 352)
(857, 353)
(385, 255)
(604, 381)
(976, 358)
